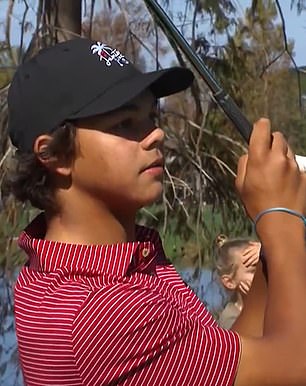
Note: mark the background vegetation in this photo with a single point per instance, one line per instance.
(250, 55)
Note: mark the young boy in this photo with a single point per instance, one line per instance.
(98, 303)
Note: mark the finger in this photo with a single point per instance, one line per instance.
(250, 261)
(290, 153)
(251, 258)
(279, 143)
(251, 264)
(241, 171)
(260, 140)
(242, 284)
(252, 246)
(248, 257)
(244, 288)
(250, 250)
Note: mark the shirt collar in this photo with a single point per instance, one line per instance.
(117, 259)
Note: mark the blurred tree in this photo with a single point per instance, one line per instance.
(257, 69)
(299, 4)
(202, 147)
(62, 19)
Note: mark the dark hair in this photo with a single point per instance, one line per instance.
(225, 256)
(29, 180)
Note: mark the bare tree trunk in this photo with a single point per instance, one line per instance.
(62, 19)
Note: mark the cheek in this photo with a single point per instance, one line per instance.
(240, 275)
(250, 276)
(105, 163)
(109, 167)
(90, 162)
(246, 276)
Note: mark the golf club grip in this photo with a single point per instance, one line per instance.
(233, 112)
(243, 125)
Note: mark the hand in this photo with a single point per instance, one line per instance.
(250, 256)
(244, 286)
(268, 176)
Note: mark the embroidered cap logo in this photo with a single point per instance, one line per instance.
(108, 54)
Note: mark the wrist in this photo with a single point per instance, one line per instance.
(285, 210)
(280, 227)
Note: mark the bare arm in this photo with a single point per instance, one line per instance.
(269, 177)
(250, 321)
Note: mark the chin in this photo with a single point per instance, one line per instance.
(152, 198)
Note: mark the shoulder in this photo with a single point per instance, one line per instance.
(134, 325)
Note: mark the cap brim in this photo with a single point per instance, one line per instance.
(162, 83)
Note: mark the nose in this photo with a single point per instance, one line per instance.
(155, 138)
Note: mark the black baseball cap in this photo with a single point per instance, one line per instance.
(75, 79)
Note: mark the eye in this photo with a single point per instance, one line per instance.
(127, 123)
(121, 126)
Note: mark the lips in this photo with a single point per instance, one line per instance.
(158, 163)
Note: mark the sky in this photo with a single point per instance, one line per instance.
(295, 27)
(295, 24)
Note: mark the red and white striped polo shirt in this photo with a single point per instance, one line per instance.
(114, 315)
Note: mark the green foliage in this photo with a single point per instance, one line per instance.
(191, 244)
(221, 11)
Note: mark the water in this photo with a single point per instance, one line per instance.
(206, 285)
(10, 373)
(203, 283)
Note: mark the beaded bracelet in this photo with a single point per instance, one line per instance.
(279, 209)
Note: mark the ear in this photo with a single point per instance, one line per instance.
(55, 164)
(228, 282)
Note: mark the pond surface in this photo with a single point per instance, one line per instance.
(10, 373)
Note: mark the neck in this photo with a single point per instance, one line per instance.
(89, 222)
